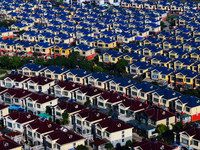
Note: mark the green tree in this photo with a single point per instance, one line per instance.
(15, 61)
(61, 2)
(128, 143)
(40, 61)
(50, 119)
(120, 65)
(4, 61)
(177, 126)
(48, 110)
(162, 128)
(65, 117)
(97, 69)
(109, 146)
(82, 147)
(87, 103)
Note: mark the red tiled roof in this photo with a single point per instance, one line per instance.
(148, 145)
(68, 85)
(2, 89)
(13, 134)
(92, 115)
(41, 98)
(64, 137)
(22, 117)
(134, 105)
(99, 142)
(112, 97)
(70, 107)
(18, 93)
(158, 114)
(40, 80)
(192, 131)
(90, 91)
(114, 126)
(7, 144)
(44, 126)
(17, 77)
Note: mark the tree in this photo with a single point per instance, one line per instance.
(65, 117)
(120, 65)
(162, 128)
(48, 110)
(87, 103)
(40, 61)
(82, 147)
(109, 146)
(15, 61)
(97, 69)
(177, 126)
(61, 2)
(4, 61)
(128, 143)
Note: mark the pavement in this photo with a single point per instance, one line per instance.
(137, 138)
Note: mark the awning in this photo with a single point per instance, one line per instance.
(14, 107)
(139, 38)
(44, 115)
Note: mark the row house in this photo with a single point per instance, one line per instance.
(188, 137)
(114, 131)
(62, 140)
(6, 143)
(16, 121)
(85, 120)
(4, 110)
(36, 131)
(128, 108)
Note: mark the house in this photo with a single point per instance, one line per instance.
(16, 121)
(6, 144)
(39, 84)
(71, 107)
(128, 108)
(109, 100)
(159, 73)
(142, 90)
(31, 69)
(61, 49)
(181, 63)
(77, 75)
(106, 43)
(14, 80)
(188, 137)
(156, 116)
(44, 48)
(63, 140)
(36, 130)
(114, 131)
(162, 61)
(86, 51)
(133, 57)
(150, 51)
(99, 80)
(120, 85)
(110, 56)
(85, 119)
(152, 146)
(176, 53)
(138, 68)
(54, 72)
(36, 104)
(182, 77)
(6, 33)
(163, 97)
(65, 89)
(86, 93)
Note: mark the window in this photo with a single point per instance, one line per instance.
(113, 59)
(9, 124)
(99, 83)
(156, 100)
(78, 79)
(16, 100)
(30, 105)
(30, 133)
(79, 97)
(38, 135)
(163, 76)
(79, 122)
(31, 87)
(56, 76)
(142, 94)
(18, 126)
(122, 140)
(58, 114)
(184, 141)
(187, 109)
(153, 122)
(121, 88)
(17, 84)
(187, 80)
(8, 84)
(196, 143)
(63, 51)
(107, 134)
(98, 132)
(178, 107)
(38, 105)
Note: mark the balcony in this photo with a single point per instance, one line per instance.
(126, 118)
